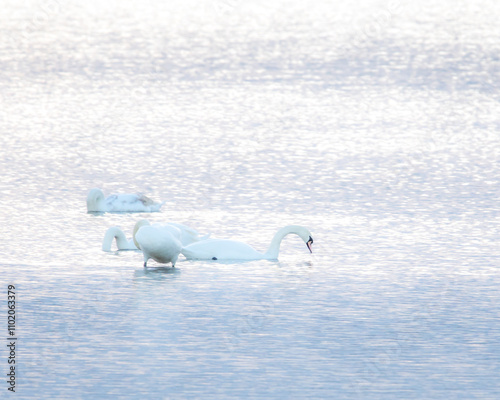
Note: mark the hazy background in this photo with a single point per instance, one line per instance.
(373, 124)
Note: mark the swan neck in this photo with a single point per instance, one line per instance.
(274, 248)
(95, 200)
(114, 233)
(121, 240)
(138, 225)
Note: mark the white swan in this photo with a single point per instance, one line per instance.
(157, 243)
(223, 249)
(120, 202)
(161, 241)
(121, 241)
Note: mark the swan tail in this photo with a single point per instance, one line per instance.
(157, 206)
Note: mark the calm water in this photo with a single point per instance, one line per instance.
(375, 125)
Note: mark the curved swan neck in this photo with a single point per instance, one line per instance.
(274, 248)
(114, 233)
(95, 200)
(138, 225)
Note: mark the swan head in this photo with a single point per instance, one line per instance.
(298, 230)
(95, 200)
(304, 234)
(138, 225)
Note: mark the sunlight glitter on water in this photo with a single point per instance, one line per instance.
(374, 125)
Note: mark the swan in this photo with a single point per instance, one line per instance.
(120, 202)
(163, 242)
(223, 249)
(157, 243)
(121, 241)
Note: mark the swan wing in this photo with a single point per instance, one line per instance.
(145, 200)
(149, 203)
(188, 234)
(174, 231)
(131, 203)
(185, 228)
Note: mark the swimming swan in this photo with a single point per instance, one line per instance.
(120, 202)
(157, 243)
(122, 243)
(222, 249)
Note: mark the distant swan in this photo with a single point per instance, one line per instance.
(157, 243)
(120, 202)
(223, 249)
(122, 243)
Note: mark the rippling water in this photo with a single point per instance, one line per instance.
(376, 125)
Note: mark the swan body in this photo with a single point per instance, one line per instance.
(120, 202)
(163, 242)
(223, 249)
(157, 243)
(122, 243)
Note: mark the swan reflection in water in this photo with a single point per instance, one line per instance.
(159, 273)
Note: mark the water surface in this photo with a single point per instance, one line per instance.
(375, 125)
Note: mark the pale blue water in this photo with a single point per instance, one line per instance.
(376, 125)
